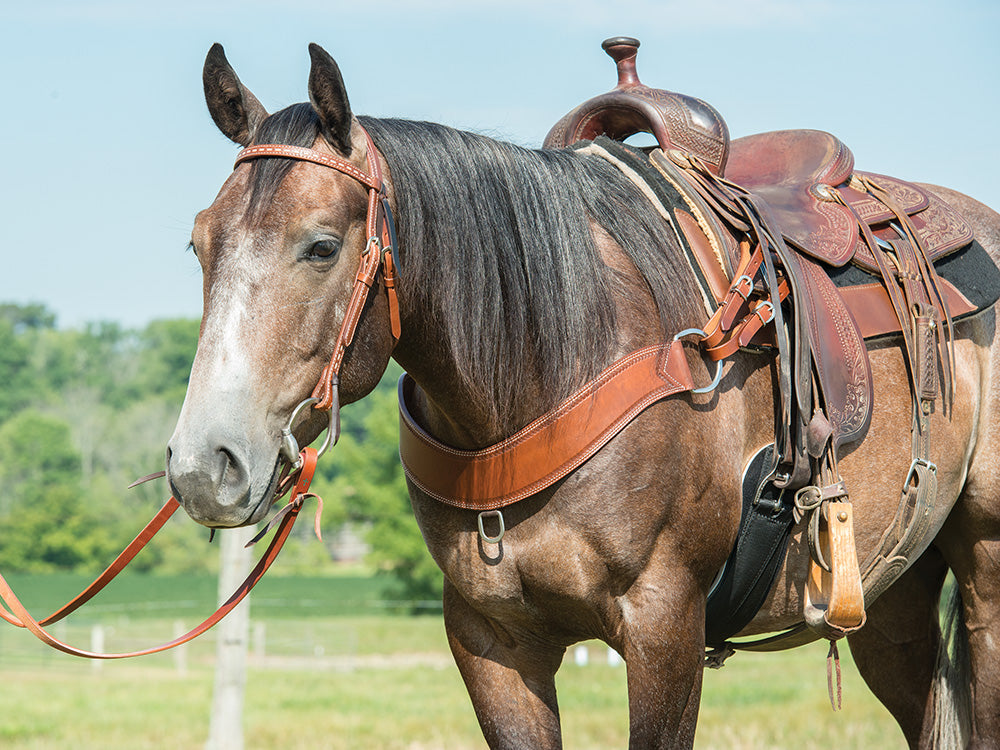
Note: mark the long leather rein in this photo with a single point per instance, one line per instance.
(378, 256)
(19, 615)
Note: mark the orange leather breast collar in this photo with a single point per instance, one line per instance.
(553, 445)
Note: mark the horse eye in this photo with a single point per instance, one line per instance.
(324, 249)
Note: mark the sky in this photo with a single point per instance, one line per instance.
(109, 151)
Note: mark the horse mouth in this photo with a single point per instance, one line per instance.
(268, 498)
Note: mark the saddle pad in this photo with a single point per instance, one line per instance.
(708, 262)
(969, 271)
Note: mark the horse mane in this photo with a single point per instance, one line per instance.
(501, 236)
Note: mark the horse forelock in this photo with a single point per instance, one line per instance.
(500, 237)
(297, 125)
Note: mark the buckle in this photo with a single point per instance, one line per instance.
(770, 306)
(718, 364)
(913, 470)
(737, 287)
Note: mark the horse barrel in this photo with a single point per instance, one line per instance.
(676, 121)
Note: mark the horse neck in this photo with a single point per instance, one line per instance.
(452, 408)
(512, 291)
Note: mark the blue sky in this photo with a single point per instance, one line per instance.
(110, 152)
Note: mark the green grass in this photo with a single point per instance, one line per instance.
(153, 597)
(379, 681)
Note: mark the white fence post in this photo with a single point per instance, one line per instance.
(97, 646)
(232, 643)
(180, 652)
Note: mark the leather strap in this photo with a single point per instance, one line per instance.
(550, 447)
(373, 179)
(116, 567)
(19, 615)
(380, 253)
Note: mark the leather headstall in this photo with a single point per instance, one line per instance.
(380, 252)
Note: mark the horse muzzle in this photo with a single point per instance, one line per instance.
(215, 483)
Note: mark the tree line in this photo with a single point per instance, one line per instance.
(85, 411)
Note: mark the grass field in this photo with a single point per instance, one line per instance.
(368, 679)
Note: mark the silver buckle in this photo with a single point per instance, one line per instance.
(718, 365)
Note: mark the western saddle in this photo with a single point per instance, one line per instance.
(769, 221)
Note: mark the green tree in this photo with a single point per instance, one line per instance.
(35, 452)
(369, 479)
(168, 348)
(18, 387)
(34, 315)
(46, 524)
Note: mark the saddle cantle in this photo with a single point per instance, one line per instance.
(807, 178)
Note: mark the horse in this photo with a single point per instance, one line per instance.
(525, 273)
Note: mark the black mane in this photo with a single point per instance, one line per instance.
(497, 237)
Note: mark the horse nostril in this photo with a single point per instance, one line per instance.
(232, 468)
(210, 477)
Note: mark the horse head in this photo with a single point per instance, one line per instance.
(279, 250)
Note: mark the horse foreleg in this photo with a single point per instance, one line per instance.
(896, 650)
(663, 648)
(511, 683)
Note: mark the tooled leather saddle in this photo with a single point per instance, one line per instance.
(799, 252)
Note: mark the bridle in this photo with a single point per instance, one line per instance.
(379, 255)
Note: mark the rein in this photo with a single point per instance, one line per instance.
(18, 615)
(379, 255)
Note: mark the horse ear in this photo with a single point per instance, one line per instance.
(234, 109)
(329, 98)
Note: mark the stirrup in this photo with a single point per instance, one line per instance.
(834, 600)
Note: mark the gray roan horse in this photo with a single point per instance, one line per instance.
(523, 275)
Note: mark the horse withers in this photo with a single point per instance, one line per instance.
(526, 274)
